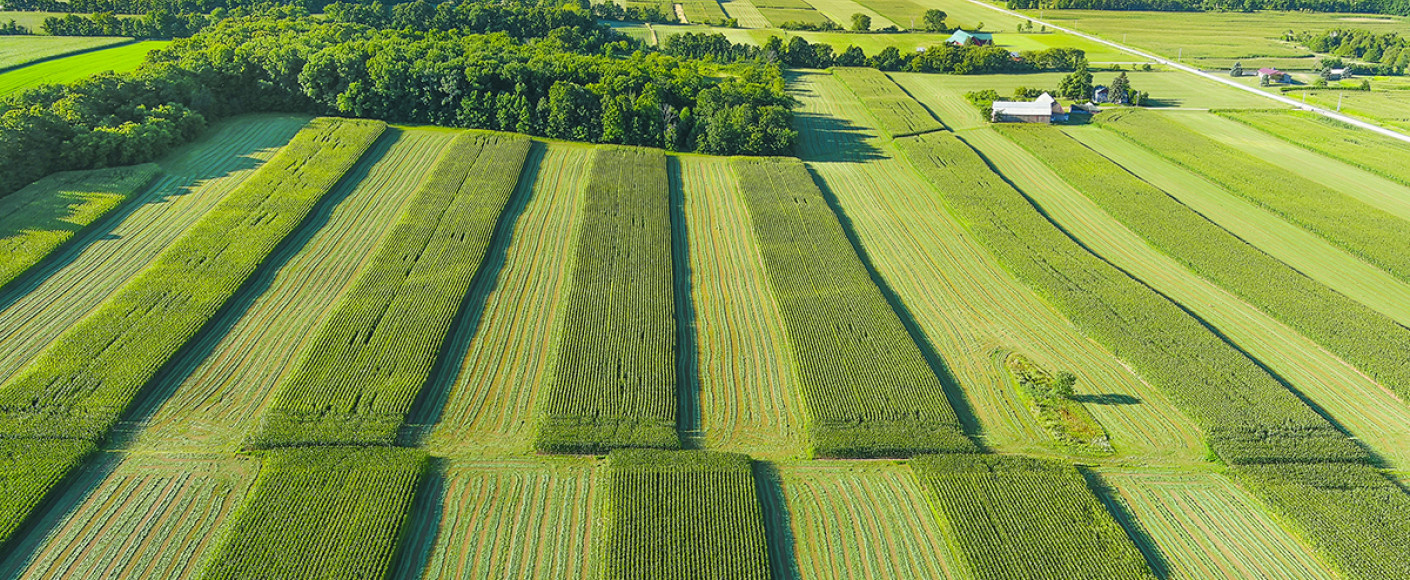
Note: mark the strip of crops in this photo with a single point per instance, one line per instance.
(1353, 514)
(28, 470)
(37, 220)
(365, 367)
(1370, 340)
(868, 389)
(72, 68)
(615, 383)
(1370, 151)
(83, 382)
(321, 512)
(1371, 233)
(17, 51)
(1248, 415)
(683, 514)
(1022, 518)
(896, 113)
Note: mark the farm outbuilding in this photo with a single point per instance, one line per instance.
(1272, 75)
(961, 38)
(1045, 109)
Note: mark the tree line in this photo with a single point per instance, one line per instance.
(797, 52)
(1388, 48)
(1399, 7)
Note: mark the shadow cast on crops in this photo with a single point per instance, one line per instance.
(778, 527)
(65, 497)
(423, 524)
(953, 392)
(1107, 399)
(687, 359)
(1138, 535)
(431, 401)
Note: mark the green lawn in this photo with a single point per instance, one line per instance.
(18, 50)
(70, 69)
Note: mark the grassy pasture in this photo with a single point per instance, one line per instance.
(77, 278)
(487, 399)
(213, 400)
(20, 50)
(72, 68)
(39, 219)
(1200, 525)
(150, 517)
(1369, 151)
(748, 387)
(966, 304)
(533, 519)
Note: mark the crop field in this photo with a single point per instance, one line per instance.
(896, 113)
(72, 68)
(1200, 525)
(748, 387)
(745, 13)
(851, 520)
(841, 11)
(780, 16)
(21, 50)
(151, 517)
(1374, 153)
(506, 519)
(968, 307)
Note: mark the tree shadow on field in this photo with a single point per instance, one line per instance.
(423, 524)
(778, 523)
(1107, 399)
(687, 358)
(1138, 535)
(953, 392)
(430, 402)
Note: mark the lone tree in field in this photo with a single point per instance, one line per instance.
(861, 22)
(934, 20)
(1078, 85)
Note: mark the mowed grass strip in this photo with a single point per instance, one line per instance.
(28, 470)
(615, 381)
(896, 113)
(71, 68)
(1373, 234)
(683, 514)
(1368, 339)
(37, 220)
(1248, 415)
(1370, 151)
(363, 371)
(83, 382)
(868, 389)
(1019, 518)
(321, 512)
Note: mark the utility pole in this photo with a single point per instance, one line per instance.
(1339, 95)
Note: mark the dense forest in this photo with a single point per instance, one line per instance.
(1400, 7)
(1388, 48)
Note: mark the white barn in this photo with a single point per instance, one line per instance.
(1043, 110)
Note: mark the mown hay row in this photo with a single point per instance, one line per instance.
(896, 113)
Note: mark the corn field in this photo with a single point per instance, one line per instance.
(896, 113)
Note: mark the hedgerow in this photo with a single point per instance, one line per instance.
(683, 514)
(1019, 518)
(359, 377)
(83, 382)
(1248, 415)
(896, 112)
(1368, 339)
(321, 512)
(1375, 235)
(615, 382)
(868, 389)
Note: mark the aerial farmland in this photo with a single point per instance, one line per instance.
(735, 290)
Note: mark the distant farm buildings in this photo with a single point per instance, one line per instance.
(1043, 110)
(962, 38)
(1271, 75)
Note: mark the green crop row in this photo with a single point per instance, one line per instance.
(28, 470)
(1375, 235)
(704, 12)
(1018, 518)
(683, 514)
(1248, 415)
(615, 381)
(359, 377)
(1352, 513)
(1370, 151)
(1365, 338)
(40, 218)
(867, 387)
(83, 382)
(321, 512)
(896, 113)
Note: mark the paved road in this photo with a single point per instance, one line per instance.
(1214, 77)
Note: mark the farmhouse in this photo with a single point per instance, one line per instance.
(1272, 75)
(1045, 109)
(961, 38)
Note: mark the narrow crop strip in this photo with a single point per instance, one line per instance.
(37, 220)
(1018, 518)
(359, 377)
(683, 514)
(321, 512)
(28, 470)
(615, 381)
(1363, 337)
(896, 113)
(867, 387)
(1358, 147)
(1248, 415)
(1375, 235)
(82, 383)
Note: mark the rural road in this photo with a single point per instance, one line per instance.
(1214, 77)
